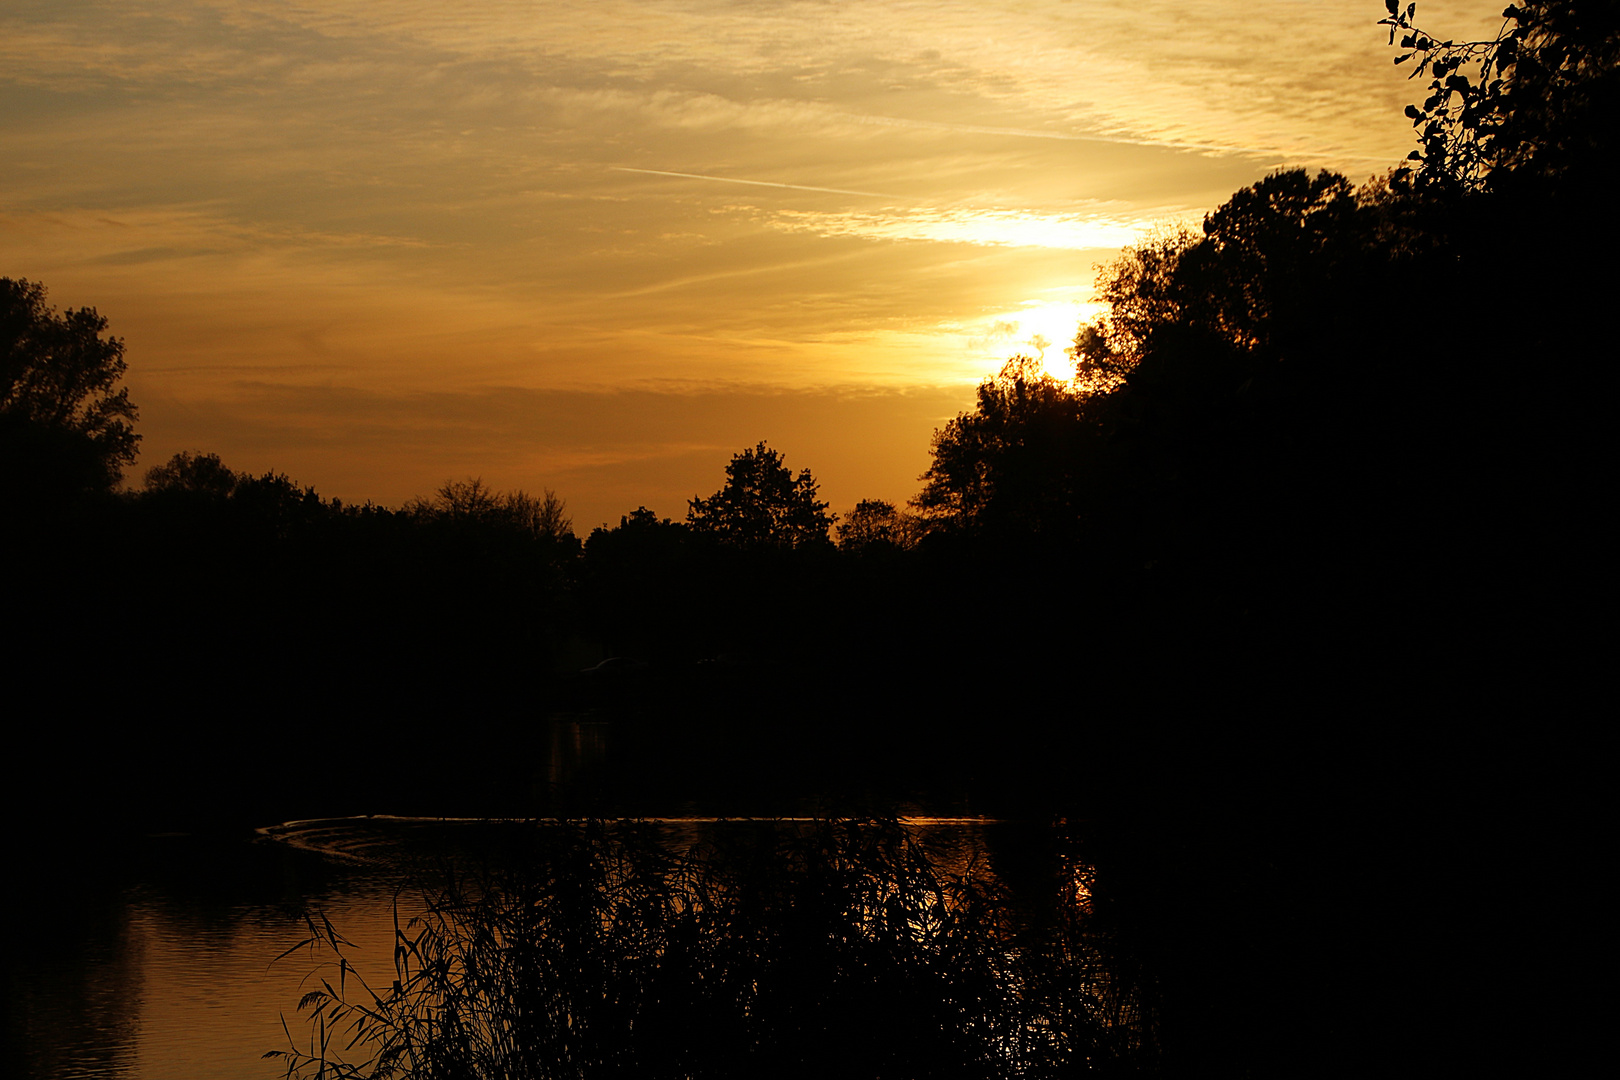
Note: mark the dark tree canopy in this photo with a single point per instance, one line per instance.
(1007, 463)
(640, 534)
(194, 487)
(196, 473)
(875, 523)
(472, 502)
(1224, 354)
(61, 410)
(1195, 323)
(762, 505)
(1249, 283)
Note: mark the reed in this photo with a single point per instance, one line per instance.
(839, 949)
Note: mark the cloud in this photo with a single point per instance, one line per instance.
(1010, 228)
(1271, 76)
(755, 183)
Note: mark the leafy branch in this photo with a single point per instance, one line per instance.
(1540, 95)
(1467, 108)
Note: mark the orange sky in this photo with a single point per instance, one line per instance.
(599, 246)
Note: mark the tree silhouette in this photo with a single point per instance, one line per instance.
(62, 422)
(472, 502)
(1006, 465)
(194, 473)
(762, 505)
(1252, 283)
(639, 536)
(875, 522)
(1541, 95)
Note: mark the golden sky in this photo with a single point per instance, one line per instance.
(599, 246)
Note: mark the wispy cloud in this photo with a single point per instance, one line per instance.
(755, 183)
(1010, 228)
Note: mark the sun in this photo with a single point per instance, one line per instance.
(1042, 327)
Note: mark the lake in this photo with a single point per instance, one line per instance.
(152, 959)
(141, 946)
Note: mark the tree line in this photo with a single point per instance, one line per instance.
(1336, 426)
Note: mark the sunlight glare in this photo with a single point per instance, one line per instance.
(1041, 328)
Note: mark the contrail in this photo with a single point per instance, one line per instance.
(755, 183)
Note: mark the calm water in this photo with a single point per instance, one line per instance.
(150, 958)
(160, 968)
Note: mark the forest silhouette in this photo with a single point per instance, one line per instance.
(1302, 564)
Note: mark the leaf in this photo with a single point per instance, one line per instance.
(292, 950)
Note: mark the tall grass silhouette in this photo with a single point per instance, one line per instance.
(838, 949)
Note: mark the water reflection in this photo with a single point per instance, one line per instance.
(720, 947)
(160, 970)
(211, 1001)
(149, 961)
(74, 984)
(578, 744)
